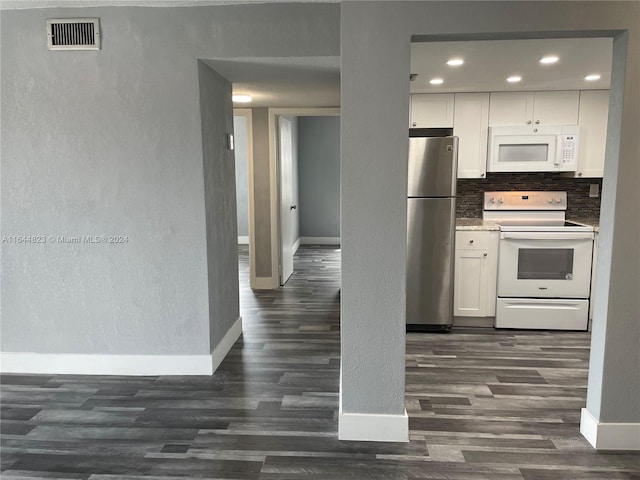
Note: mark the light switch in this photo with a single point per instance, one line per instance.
(594, 190)
(230, 141)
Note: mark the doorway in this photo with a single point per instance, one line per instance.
(308, 178)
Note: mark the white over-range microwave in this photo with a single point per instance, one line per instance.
(533, 149)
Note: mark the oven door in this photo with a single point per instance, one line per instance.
(545, 264)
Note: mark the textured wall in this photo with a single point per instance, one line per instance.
(242, 185)
(373, 189)
(220, 202)
(319, 176)
(102, 143)
(261, 192)
(109, 142)
(579, 204)
(613, 393)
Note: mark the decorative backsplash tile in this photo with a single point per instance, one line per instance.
(579, 204)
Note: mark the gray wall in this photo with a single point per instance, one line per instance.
(374, 152)
(109, 142)
(319, 176)
(242, 185)
(220, 202)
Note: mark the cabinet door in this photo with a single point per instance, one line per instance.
(556, 108)
(470, 299)
(511, 109)
(470, 125)
(432, 110)
(592, 118)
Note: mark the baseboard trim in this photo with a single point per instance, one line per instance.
(373, 427)
(296, 246)
(264, 283)
(480, 322)
(243, 240)
(609, 436)
(320, 240)
(222, 349)
(96, 364)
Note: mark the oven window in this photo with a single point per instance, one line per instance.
(524, 153)
(545, 263)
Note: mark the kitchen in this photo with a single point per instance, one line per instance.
(498, 97)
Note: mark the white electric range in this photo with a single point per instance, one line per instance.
(544, 262)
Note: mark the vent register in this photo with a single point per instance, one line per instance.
(73, 34)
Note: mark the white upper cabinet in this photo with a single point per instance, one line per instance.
(431, 110)
(593, 117)
(556, 108)
(534, 108)
(470, 125)
(511, 108)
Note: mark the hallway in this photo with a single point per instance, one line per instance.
(494, 406)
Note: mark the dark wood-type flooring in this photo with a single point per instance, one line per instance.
(482, 405)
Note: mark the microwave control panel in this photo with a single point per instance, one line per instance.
(568, 148)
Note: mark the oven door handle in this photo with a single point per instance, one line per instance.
(547, 235)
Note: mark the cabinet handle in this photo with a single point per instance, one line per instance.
(579, 174)
(535, 130)
(482, 174)
(537, 122)
(528, 122)
(485, 254)
(470, 241)
(413, 124)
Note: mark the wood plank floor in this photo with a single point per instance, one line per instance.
(482, 405)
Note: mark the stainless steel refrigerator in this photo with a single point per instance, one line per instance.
(431, 216)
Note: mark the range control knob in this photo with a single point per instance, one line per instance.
(492, 199)
(500, 200)
(557, 200)
(549, 200)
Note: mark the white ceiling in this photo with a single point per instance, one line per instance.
(15, 4)
(283, 81)
(489, 63)
(307, 82)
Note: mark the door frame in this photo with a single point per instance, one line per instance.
(274, 178)
(247, 113)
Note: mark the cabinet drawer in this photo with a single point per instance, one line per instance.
(474, 240)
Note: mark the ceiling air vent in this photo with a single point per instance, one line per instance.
(73, 34)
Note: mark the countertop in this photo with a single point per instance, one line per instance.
(475, 224)
(478, 224)
(590, 222)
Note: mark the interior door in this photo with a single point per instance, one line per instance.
(285, 148)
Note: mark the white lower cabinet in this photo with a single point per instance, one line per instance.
(476, 268)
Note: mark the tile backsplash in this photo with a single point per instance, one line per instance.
(579, 204)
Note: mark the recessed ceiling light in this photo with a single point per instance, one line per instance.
(514, 79)
(455, 62)
(549, 59)
(436, 81)
(592, 77)
(241, 98)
